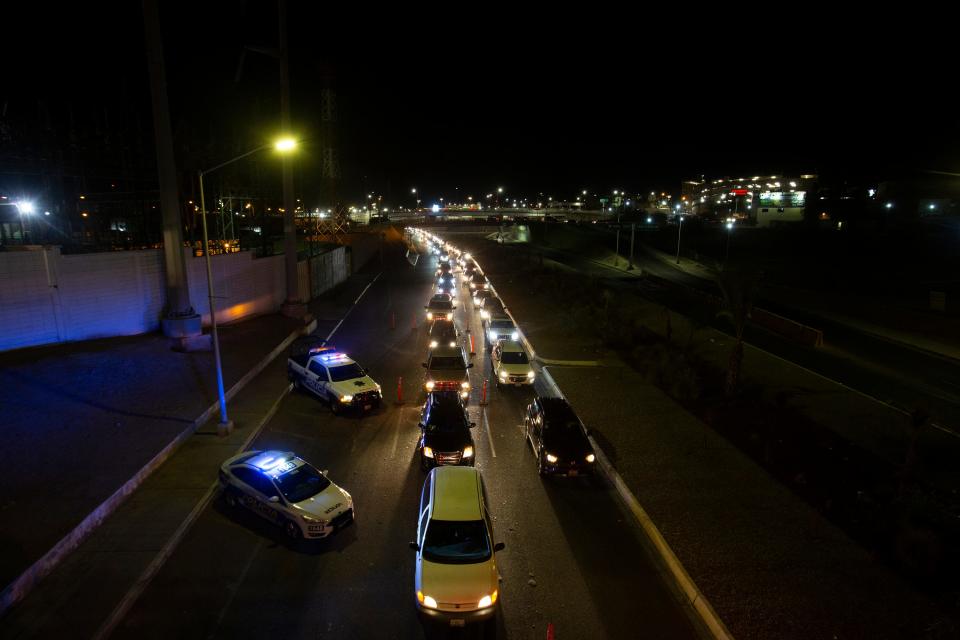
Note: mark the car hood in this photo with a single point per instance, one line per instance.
(447, 440)
(457, 583)
(447, 375)
(355, 386)
(325, 505)
(515, 369)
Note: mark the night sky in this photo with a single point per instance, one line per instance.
(477, 109)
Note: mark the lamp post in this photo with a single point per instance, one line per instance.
(679, 231)
(726, 254)
(285, 144)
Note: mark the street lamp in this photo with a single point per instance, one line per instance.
(282, 145)
(679, 231)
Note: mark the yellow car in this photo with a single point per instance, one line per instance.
(456, 581)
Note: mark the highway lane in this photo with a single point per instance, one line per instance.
(572, 557)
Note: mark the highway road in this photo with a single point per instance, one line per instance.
(573, 559)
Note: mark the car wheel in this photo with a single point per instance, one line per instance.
(292, 530)
(230, 498)
(335, 406)
(541, 466)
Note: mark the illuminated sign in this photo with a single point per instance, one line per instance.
(795, 199)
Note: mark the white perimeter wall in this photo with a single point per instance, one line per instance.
(46, 297)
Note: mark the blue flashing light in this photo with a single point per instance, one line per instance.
(330, 357)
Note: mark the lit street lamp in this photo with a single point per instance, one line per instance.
(282, 145)
(679, 231)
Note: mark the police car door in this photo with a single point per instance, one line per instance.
(265, 490)
(317, 378)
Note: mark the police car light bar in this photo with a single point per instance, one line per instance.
(273, 461)
(322, 349)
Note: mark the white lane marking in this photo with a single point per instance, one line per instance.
(486, 427)
(330, 335)
(142, 582)
(235, 588)
(396, 433)
(145, 578)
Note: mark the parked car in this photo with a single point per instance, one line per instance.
(333, 376)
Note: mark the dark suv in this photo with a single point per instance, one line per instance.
(445, 431)
(558, 438)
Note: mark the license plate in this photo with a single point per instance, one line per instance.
(572, 472)
(458, 622)
(366, 407)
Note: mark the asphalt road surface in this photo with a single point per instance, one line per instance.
(573, 558)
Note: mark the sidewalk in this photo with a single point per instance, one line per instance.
(771, 566)
(90, 415)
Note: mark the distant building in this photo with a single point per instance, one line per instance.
(764, 201)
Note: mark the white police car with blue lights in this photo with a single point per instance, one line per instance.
(286, 490)
(335, 377)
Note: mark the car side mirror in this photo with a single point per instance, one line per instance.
(273, 499)
(473, 424)
(499, 546)
(414, 546)
(470, 365)
(421, 425)
(325, 471)
(423, 364)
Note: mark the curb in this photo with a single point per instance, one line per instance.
(677, 572)
(26, 581)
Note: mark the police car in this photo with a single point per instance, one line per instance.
(336, 378)
(287, 491)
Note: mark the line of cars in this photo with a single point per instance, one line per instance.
(456, 580)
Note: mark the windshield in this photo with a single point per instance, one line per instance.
(501, 324)
(441, 304)
(301, 483)
(447, 362)
(346, 372)
(514, 357)
(456, 542)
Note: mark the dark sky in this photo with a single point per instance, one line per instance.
(440, 107)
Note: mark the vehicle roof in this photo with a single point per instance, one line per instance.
(456, 493)
(441, 297)
(446, 352)
(272, 463)
(510, 345)
(556, 408)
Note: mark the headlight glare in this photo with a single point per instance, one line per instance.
(514, 335)
(427, 452)
(591, 458)
(485, 601)
(551, 458)
(433, 344)
(429, 385)
(531, 374)
(468, 452)
(347, 398)
(464, 385)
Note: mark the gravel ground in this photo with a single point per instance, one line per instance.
(770, 565)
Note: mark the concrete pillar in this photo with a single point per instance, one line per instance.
(180, 321)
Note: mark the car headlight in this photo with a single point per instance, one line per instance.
(433, 344)
(503, 377)
(346, 398)
(531, 375)
(429, 315)
(465, 394)
(453, 343)
(464, 385)
(493, 336)
(427, 452)
(591, 458)
(551, 458)
(311, 520)
(429, 385)
(473, 286)
(426, 601)
(484, 314)
(378, 387)
(468, 452)
(514, 335)
(449, 316)
(487, 601)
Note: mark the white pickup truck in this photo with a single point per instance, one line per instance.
(334, 377)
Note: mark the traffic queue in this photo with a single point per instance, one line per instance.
(456, 580)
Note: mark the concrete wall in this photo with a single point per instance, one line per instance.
(46, 297)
